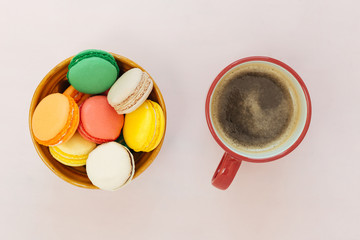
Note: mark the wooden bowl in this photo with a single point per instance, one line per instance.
(56, 81)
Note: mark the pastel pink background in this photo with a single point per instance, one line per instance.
(313, 193)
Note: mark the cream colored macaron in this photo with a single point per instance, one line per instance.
(110, 166)
(130, 91)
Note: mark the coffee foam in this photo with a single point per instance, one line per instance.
(265, 119)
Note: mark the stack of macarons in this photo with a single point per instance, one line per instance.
(100, 119)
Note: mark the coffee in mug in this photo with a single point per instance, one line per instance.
(254, 107)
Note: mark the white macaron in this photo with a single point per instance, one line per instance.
(110, 166)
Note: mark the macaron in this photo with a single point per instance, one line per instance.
(130, 91)
(145, 127)
(55, 119)
(99, 122)
(73, 152)
(79, 97)
(121, 140)
(92, 71)
(110, 166)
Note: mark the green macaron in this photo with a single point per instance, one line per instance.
(93, 71)
(121, 140)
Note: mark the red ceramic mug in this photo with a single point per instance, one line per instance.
(232, 158)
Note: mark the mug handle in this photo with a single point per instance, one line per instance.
(226, 171)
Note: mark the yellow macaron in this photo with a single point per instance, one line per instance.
(73, 152)
(144, 128)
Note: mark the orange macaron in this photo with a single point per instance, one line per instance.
(79, 97)
(55, 119)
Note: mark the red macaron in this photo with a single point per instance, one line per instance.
(99, 122)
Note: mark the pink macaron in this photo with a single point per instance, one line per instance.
(99, 122)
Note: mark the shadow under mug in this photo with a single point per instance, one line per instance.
(232, 158)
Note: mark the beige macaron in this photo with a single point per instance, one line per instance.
(130, 91)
